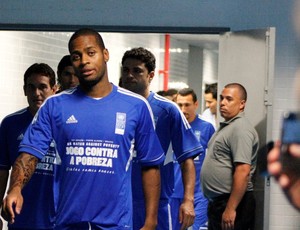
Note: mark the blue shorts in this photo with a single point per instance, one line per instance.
(86, 226)
(77, 226)
(175, 205)
(200, 206)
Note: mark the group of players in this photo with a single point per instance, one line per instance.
(153, 147)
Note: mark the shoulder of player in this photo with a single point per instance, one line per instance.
(62, 96)
(131, 97)
(203, 122)
(164, 103)
(15, 115)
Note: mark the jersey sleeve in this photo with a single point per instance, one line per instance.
(38, 136)
(149, 150)
(184, 142)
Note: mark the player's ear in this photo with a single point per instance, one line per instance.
(151, 76)
(196, 104)
(242, 104)
(106, 55)
(54, 88)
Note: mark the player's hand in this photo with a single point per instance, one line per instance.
(12, 205)
(186, 214)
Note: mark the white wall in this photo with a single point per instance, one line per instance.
(19, 51)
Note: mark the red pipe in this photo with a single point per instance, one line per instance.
(165, 72)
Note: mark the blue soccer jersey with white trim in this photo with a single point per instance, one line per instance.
(203, 131)
(95, 139)
(38, 207)
(175, 134)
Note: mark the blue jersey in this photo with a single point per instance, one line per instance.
(203, 131)
(95, 140)
(175, 134)
(38, 207)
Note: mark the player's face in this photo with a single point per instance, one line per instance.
(187, 106)
(37, 89)
(135, 76)
(231, 103)
(210, 102)
(68, 78)
(89, 60)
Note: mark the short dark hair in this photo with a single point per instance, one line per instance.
(241, 88)
(86, 31)
(171, 92)
(63, 63)
(188, 91)
(40, 68)
(161, 93)
(213, 89)
(143, 55)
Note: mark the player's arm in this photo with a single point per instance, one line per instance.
(239, 187)
(186, 212)
(151, 187)
(22, 171)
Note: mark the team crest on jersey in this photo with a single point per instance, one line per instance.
(198, 134)
(120, 123)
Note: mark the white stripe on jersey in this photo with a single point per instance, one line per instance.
(170, 217)
(17, 113)
(132, 154)
(161, 98)
(67, 91)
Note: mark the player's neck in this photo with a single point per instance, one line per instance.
(32, 110)
(146, 93)
(99, 90)
(192, 118)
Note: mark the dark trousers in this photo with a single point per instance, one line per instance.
(245, 212)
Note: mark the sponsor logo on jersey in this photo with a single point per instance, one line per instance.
(71, 120)
(20, 137)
